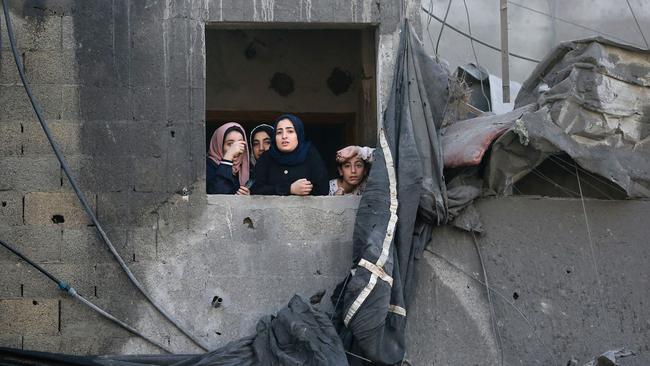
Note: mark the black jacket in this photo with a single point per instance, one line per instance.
(219, 178)
(272, 178)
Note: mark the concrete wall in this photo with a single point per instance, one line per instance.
(532, 33)
(556, 296)
(122, 84)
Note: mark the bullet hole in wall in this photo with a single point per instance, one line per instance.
(248, 222)
(58, 219)
(282, 84)
(515, 295)
(4, 204)
(216, 301)
(339, 81)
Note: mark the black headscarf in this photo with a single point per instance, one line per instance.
(298, 155)
(260, 128)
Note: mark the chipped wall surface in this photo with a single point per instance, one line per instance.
(122, 84)
(283, 70)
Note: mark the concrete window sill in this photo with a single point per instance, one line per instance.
(320, 202)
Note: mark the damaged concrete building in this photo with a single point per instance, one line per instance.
(132, 89)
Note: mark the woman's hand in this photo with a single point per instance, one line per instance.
(301, 187)
(236, 149)
(243, 191)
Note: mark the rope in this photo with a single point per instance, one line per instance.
(75, 186)
(65, 287)
(494, 48)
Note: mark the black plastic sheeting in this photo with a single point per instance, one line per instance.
(298, 335)
(405, 182)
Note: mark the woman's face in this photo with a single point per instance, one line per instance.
(231, 138)
(353, 171)
(285, 136)
(261, 143)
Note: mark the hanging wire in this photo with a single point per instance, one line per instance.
(559, 162)
(494, 48)
(65, 287)
(637, 23)
(568, 22)
(502, 296)
(478, 65)
(442, 26)
(493, 315)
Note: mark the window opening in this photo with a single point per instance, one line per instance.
(324, 76)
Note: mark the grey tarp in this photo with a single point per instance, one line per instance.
(594, 105)
(404, 198)
(298, 335)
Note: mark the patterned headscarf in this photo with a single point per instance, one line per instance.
(216, 150)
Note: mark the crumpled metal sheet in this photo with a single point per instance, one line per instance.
(465, 142)
(594, 105)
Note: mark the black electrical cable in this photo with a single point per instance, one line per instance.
(75, 186)
(64, 286)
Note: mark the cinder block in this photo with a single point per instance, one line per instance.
(102, 174)
(71, 109)
(29, 316)
(149, 103)
(178, 104)
(43, 66)
(11, 208)
(33, 32)
(147, 54)
(95, 65)
(79, 275)
(67, 33)
(8, 71)
(142, 240)
(104, 103)
(11, 341)
(30, 173)
(90, 344)
(78, 320)
(178, 55)
(11, 274)
(56, 208)
(10, 138)
(14, 104)
(197, 106)
(149, 174)
(133, 208)
(67, 134)
(85, 244)
(40, 244)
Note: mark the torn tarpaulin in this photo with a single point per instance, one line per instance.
(594, 105)
(405, 181)
(298, 335)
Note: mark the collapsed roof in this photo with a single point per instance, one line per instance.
(589, 99)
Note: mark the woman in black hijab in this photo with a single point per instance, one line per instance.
(292, 166)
